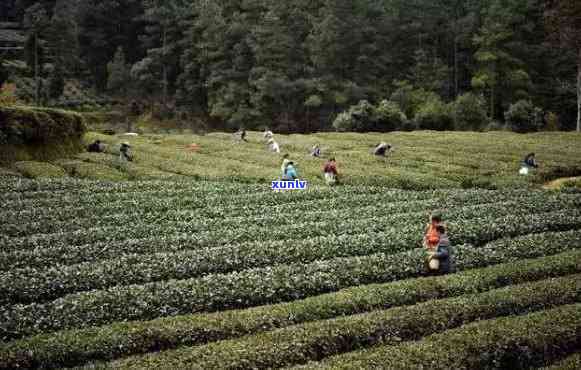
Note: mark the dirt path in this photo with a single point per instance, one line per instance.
(558, 183)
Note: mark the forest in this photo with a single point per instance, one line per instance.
(308, 65)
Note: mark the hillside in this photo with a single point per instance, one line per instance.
(421, 160)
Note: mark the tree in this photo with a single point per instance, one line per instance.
(62, 36)
(162, 42)
(36, 19)
(430, 75)
(523, 116)
(4, 74)
(56, 86)
(106, 25)
(469, 112)
(497, 67)
(119, 72)
(563, 20)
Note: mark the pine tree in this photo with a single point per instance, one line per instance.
(63, 38)
(161, 67)
(36, 20)
(119, 74)
(563, 18)
(499, 72)
(4, 74)
(56, 87)
(430, 74)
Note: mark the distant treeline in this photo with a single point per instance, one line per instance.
(296, 65)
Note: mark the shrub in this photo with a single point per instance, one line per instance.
(8, 96)
(315, 340)
(359, 118)
(28, 125)
(39, 285)
(520, 342)
(39, 170)
(389, 116)
(83, 170)
(496, 126)
(253, 287)
(75, 347)
(552, 122)
(572, 362)
(523, 116)
(434, 114)
(364, 117)
(410, 99)
(469, 112)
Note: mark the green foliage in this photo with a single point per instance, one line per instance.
(84, 170)
(155, 250)
(429, 75)
(57, 83)
(570, 363)
(526, 341)
(29, 126)
(4, 73)
(469, 112)
(119, 78)
(271, 284)
(434, 114)
(199, 263)
(256, 63)
(78, 346)
(365, 117)
(500, 73)
(523, 116)
(410, 98)
(552, 122)
(389, 116)
(36, 170)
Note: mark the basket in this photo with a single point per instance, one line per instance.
(433, 263)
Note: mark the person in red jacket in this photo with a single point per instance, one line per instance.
(330, 171)
(432, 237)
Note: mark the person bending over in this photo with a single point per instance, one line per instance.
(382, 149)
(330, 172)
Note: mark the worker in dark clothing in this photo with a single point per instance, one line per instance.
(530, 161)
(96, 147)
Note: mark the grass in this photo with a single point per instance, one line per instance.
(39, 170)
(422, 160)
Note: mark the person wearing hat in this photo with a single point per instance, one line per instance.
(273, 146)
(382, 149)
(268, 134)
(125, 154)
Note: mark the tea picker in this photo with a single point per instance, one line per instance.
(528, 164)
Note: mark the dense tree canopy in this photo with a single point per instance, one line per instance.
(295, 65)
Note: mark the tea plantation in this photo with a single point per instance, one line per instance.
(420, 160)
(180, 274)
